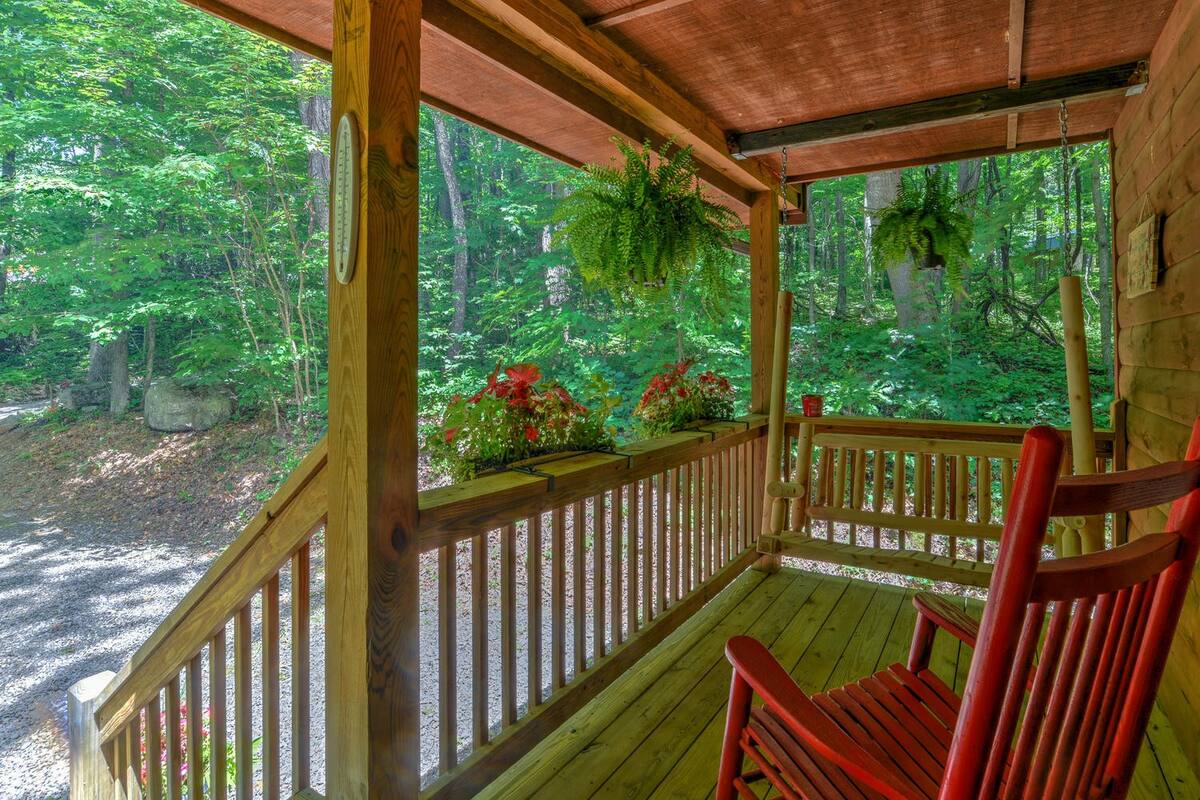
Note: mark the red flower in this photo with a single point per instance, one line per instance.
(449, 434)
(682, 392)
(531, 433)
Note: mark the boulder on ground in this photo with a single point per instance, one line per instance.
(84, 396)
(174, 406)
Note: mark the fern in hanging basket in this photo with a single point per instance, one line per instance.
(927, 223)
(646, 229)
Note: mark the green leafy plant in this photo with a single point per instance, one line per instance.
(927, 222)
(516, 417)
(646, 228)
(673, 399)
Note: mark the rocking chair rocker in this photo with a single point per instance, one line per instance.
(1063, 720)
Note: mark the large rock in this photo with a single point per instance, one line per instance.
(84, 396)
(173, 406)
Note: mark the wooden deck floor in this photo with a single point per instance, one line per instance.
(656, 732)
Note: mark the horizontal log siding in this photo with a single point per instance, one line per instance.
(1156, 166)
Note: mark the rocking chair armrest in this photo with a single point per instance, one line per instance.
(755, 664)
(950, 618)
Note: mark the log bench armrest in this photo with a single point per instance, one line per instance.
(935, 612)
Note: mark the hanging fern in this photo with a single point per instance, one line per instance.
(927, 223)
(646, 230)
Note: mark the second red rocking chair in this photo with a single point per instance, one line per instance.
(1045, 714)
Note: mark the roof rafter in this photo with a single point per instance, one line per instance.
(1016, 44)
(474, 34)
(633, 11)
(1107, 82)
(560, 37)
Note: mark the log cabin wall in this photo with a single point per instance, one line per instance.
(1156, 169)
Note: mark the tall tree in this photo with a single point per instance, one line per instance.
(458, 219)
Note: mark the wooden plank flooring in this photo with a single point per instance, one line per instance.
(656, 732)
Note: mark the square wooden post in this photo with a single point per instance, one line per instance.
(372, 698)
(764, 284)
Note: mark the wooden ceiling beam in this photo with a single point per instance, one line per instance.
(1107, 82)
(1016, 44)
(518, 62)
(639, 9)
(941, 158)
(558, 35)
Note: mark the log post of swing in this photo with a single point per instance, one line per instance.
(774, 509)
(1090, 538)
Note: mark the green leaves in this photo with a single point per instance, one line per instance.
(926, 223)
(645, 231)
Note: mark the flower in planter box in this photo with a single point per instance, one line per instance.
(519, 415)
(673, 399)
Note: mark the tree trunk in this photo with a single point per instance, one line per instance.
(315, 113)
(8, 172)
(912, 288)
(840, 203)
(118, 387)
(151, 333)
(458, 221)
(100, 358)
(811, 225)
(1104, 257)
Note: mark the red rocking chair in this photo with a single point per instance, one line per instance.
(1063, 720)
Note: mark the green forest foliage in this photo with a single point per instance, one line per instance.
(161, 180)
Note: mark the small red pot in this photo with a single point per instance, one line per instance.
(813, 404)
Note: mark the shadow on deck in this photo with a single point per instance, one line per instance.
(656, 732)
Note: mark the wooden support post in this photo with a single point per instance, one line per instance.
(764, 286)
(91, 777)
(1120, 462)
(1083, 438)
(372, 725)
(774, 511)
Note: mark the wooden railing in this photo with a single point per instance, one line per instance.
(921, 498)
(617, 550)
(166, 714)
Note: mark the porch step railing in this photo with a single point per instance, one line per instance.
(920, 498)
(616, 551)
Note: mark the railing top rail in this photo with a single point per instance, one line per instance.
(934, 429)
(460, 511)
(283, 524)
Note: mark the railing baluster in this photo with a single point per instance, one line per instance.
(301, 675)
(134, 749)
(727, 506)
(479, 640)
(534, 587)
(447, 618)
(272, 779)
(174, 743)
(508, 625)
(195, 726)
(900, 492)
(677, 563)
(688, 513)
(709, 534)
(243, 739)
(616, 526)
(647, 545)
(1006, 481)
(962, 486)
(878, 476)
(154, 748)
(218, 771)
(558, 597)
(631, 552)
(983, 490)
(120, 765)
(858, 488)
(578, 600)
(660, 518)
(598, 611)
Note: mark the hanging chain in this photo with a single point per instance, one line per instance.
(1066, 188)
(783, 176)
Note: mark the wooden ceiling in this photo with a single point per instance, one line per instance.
(750, 65)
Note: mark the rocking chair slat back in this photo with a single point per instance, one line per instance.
(1112, 616)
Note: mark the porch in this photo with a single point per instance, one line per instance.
(656, 732)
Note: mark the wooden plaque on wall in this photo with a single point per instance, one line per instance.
(1143, 258)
